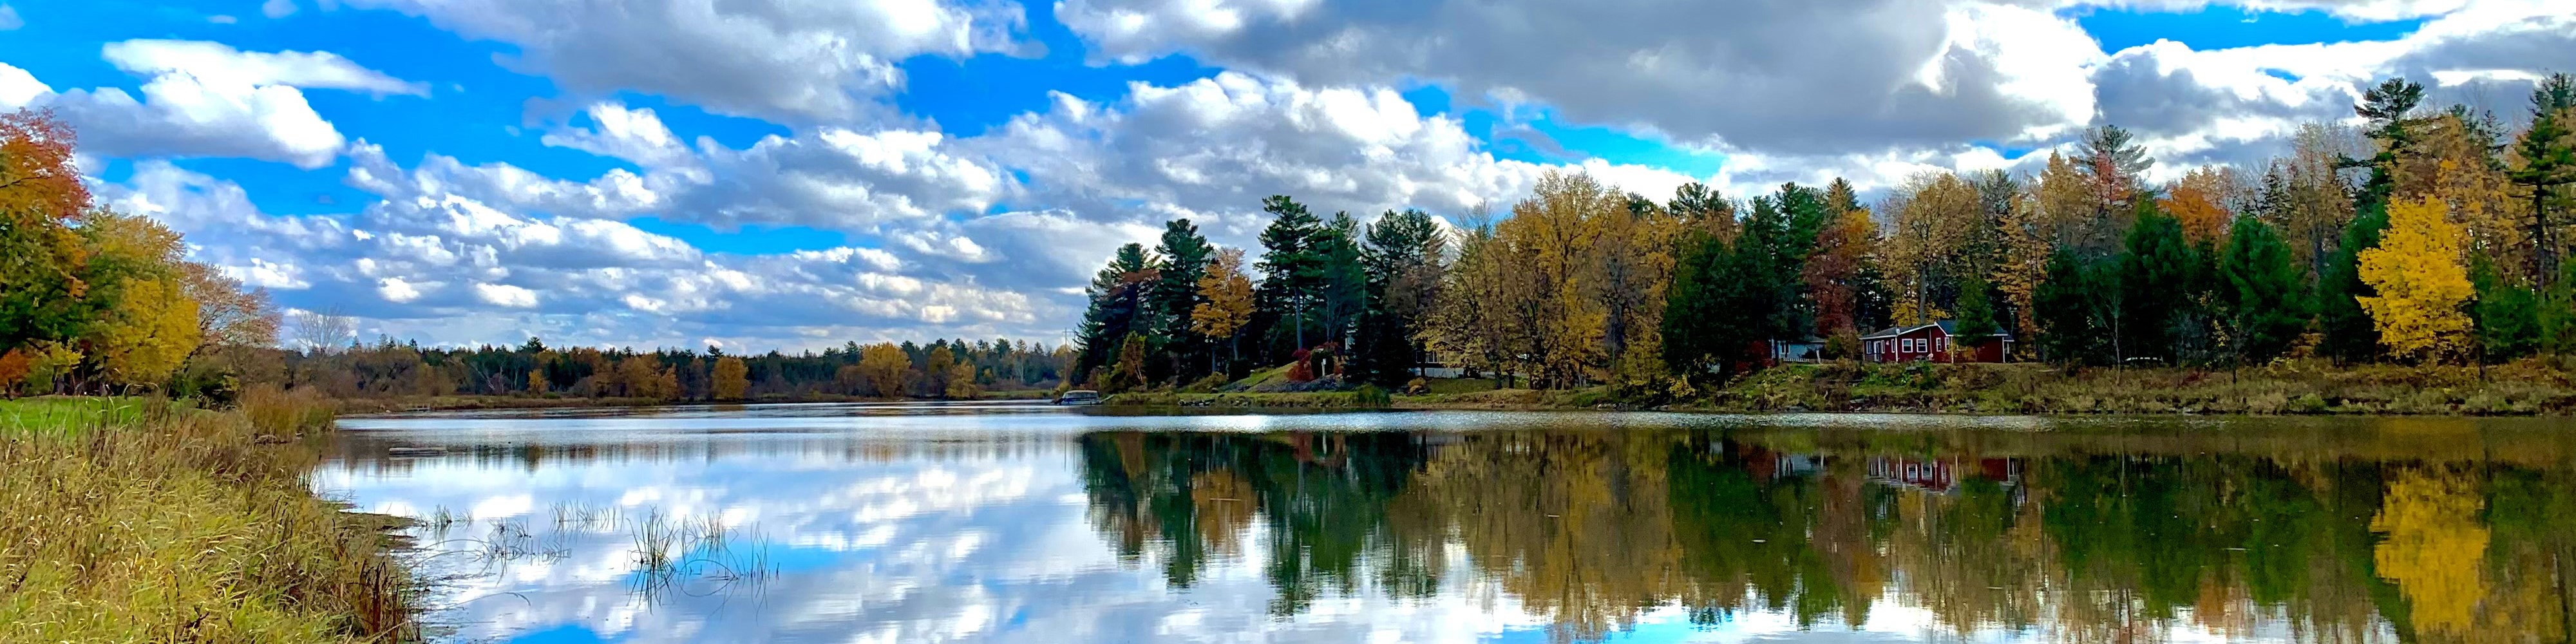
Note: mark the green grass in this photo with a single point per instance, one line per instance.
(68, 415)
(134, 520)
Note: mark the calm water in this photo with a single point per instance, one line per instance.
(832, 523)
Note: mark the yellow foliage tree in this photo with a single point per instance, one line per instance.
(882, 367)
(151, 330)
(2421, 282)
(1229, 299)
(1936, 213)
(731, 379)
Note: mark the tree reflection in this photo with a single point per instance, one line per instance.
(2133, 536)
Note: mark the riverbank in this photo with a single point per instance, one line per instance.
(2530, 387)
(446, 403)
(132, 520)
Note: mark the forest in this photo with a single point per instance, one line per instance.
(2408, 234)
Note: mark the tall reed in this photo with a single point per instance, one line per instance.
(179, 526)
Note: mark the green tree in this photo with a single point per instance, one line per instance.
(1721, 302)
(1118, 300)
(1400, 254)
(2548, 153)
(2265, 293)
(2070, 304)
(1184, 256)
(1292, 272)
(2155, 275)
(2344, 326)
(1976, 314)
(2506, 312)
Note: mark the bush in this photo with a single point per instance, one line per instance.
(1371, 396)
(1205, 385)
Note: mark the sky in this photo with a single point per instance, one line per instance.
(795, 174)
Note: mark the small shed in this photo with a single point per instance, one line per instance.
(1931, 343)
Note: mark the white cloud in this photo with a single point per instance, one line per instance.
(504, 295)
(277, 8)
(18, 88)
(9, 20)
(634, 135)
(218, 64)
(207, 99)
(443, 266)
(799, 59)
(1796, 77)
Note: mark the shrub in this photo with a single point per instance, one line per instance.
(1371, 396)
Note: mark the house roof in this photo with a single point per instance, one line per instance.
(1948, 327)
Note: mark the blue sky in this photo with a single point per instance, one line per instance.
(794, 173)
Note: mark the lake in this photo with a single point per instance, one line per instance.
(1027, 523)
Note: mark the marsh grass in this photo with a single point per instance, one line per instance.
(281, 412)
(136, 520)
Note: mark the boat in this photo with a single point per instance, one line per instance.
(1078, 397)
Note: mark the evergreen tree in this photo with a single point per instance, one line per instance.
(1117, 295)
(1291, 273)
(1395, 252)
(2155, 276)
(2345, 328)
(1976, 314)
(2068, 304)
(1719, 305)
(2507, 314)
(2390, 111)
(2264, 292)
(1343, 293)
(1175, 294)
(2548, 153)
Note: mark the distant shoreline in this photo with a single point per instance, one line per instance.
(457, 403)
(2525, 388)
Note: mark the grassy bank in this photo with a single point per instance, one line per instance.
(2530, 387)
(133, 520)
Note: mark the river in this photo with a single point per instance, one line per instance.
(1027, 523)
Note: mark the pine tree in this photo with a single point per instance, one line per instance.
(2155, 279)
(1395, 252)
(2264, 292)
(1976, 317)
(2069, 302)
(1291, 272)
(2506, 313)
(1183, 256)
(2343, 324)
(1117, 300)
(2548, 154)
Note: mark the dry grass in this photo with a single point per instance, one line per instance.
(2293, 387)
(286, 413)
(178, 526)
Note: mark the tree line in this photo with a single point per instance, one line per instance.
(96, 301)
(2416, 235)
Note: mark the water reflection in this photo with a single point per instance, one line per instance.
(1031, 524)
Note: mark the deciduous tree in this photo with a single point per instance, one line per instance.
(2420, 283)
(731, 380)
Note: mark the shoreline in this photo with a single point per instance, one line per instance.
(369, 406)
(2302, 388)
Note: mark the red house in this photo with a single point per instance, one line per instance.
(1931, 343)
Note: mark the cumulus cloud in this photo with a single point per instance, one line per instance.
(207, 99)
(803, 60)
(1801, 77)
(440, 264)
(1213, 148)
